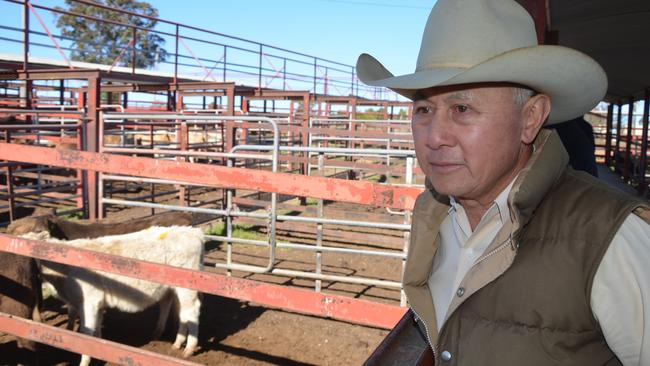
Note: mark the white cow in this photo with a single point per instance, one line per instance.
(88, 293)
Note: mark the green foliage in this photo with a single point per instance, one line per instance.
(241, 231)
(101, 42)
(69, 213)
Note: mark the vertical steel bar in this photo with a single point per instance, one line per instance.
(61, 92)
(28, 83)
(259, 76)
(608, 134)
(81, 129)
(225, 60)
(627, 166)
(176, 56)
(407, 221)
(10, 183)
(305, 124)
(315, 67)
(644, 143)
(352, 80)
(284, 75)
(26, 35)
(100, 175)
(319, 226)
(93, 103)
(182, 142)
(617, 151)
(134, 56)
(229, 194)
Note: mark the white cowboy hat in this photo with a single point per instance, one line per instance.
(475, 41)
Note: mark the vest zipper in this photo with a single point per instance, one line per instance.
(495, 250)
(426, 330)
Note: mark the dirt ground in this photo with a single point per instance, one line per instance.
(239, 333)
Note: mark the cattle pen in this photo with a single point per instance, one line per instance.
(303, 180)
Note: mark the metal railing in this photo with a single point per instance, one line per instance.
(269, 215)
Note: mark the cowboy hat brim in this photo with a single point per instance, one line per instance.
(574, 82)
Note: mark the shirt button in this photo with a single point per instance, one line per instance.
(460, 292)
(446, 356)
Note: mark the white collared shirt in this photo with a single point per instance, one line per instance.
(620, 297)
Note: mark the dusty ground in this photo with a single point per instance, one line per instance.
(237, 333)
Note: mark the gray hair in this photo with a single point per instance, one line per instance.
(521, 95)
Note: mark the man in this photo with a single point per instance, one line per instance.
(515, 259)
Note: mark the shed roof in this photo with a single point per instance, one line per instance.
(614, 33)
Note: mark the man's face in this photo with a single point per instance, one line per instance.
(468, 141)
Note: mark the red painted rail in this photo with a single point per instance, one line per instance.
(298, 300)
(81, 343)
(318, 187)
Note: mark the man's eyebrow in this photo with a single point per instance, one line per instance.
(462, 95)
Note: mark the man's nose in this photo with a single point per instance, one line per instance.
(438, 133)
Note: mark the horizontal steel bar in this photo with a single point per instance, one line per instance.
(189, 153)
(311, 248)
(40, 111)
(331, 150)
(215, 211)
(81, 343)
(143, 180)
(361, 121)
(312, 276)
(322, 220)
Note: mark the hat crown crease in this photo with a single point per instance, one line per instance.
(464, 33)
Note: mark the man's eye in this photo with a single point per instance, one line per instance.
(423, 109)
(461, 108)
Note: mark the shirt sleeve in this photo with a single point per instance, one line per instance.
(620, 296)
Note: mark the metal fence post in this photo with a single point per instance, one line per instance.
(319, 226)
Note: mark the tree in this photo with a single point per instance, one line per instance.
(102, 42)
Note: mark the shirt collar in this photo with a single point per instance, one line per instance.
(499, 206)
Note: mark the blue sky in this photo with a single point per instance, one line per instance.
(333, 29)
(338, 30)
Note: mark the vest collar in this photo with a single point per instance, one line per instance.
(538, 176)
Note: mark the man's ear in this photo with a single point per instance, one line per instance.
(534, 113)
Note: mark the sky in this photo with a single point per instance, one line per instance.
(337, 30)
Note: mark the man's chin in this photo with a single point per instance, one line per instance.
(448, 189)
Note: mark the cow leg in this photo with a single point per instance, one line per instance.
(89, 323)
(164, 306)
(188, 327)
(73, 315)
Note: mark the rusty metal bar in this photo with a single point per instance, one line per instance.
(340, 190)
(304, 301)
(81, 343)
